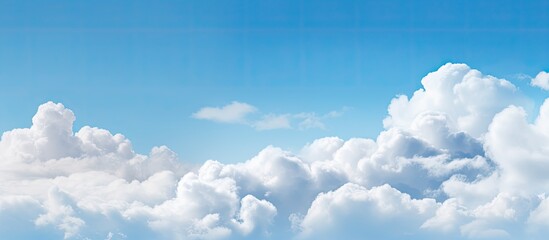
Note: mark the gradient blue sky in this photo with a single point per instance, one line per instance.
(142, 68)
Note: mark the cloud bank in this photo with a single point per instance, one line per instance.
(457, 159)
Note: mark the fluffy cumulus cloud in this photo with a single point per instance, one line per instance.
(358, 213)
(457, 159)
(467, 97)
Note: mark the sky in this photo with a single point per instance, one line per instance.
(143, 69)
(258, 119)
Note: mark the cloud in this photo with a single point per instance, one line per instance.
(60, 213)
(541, 80)
(458, 159)
(271, 121)
(234, 112)
(254, 212)
(238, 112)
(540, 216)
(309, 120)
(469, 98)
(383, 212)
(519, 151)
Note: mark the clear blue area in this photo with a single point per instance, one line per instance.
(142, 68)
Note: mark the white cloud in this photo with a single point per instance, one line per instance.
(60, 213)
(540, 216)
(272, 121)
(381, 212)
(541, 80)
(238, 112)
(321, 149)
(518, 150)
(234, 112)
(309, 120)
(447, 218)
(468, 97)
(458, 159)
(254, 212)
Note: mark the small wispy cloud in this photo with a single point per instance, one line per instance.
(235, 112)
(313, 120)
(541, 80)
(521, 76)
(241, 113)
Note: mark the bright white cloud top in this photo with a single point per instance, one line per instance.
(233, 113)
(457, 159)
(239, 113)
(541, 80)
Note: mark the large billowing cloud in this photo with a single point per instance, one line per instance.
(541, 80)
(457, 159)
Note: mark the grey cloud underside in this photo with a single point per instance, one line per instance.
(457, 159)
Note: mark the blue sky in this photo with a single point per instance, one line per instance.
(328, 119)
(142, 68)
